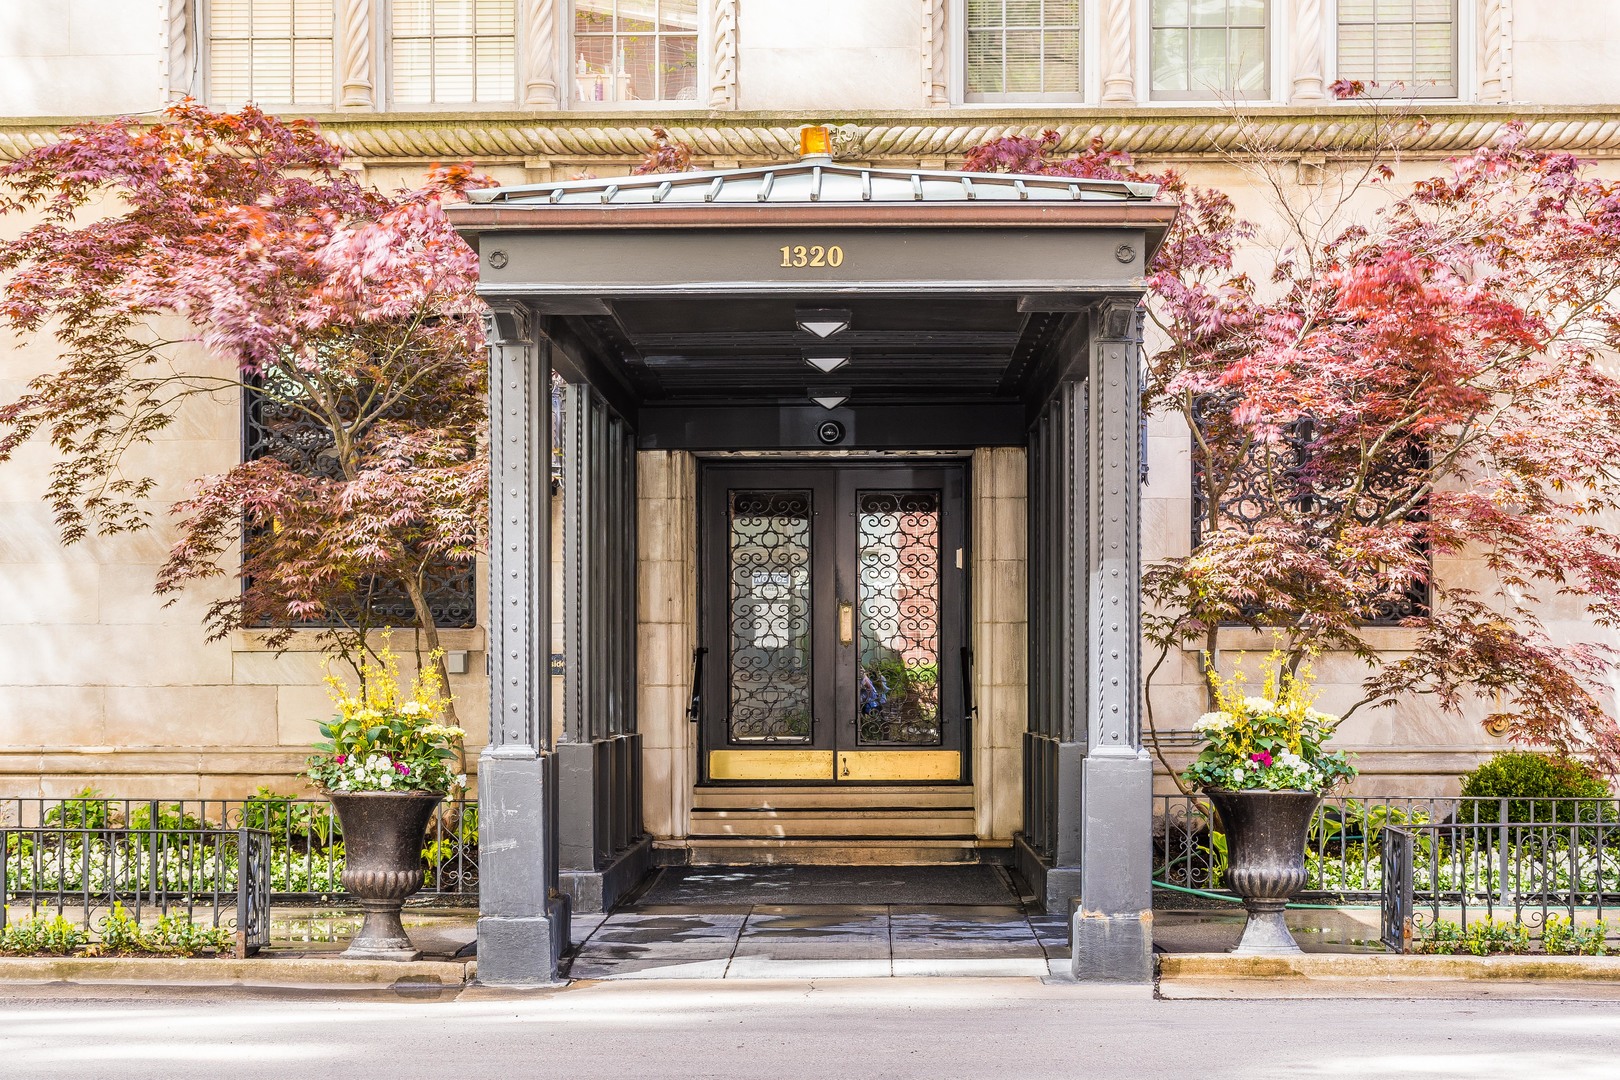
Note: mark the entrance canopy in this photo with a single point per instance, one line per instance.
(690, 297)
(811, 306)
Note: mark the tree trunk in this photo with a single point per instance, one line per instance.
(430, 631)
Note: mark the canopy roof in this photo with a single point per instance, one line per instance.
(818, 179)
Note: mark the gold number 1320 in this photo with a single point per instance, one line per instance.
(814, 255)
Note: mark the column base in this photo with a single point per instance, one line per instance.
(1112, 948)
(594, 891)
(1056, 887)
(521, 952)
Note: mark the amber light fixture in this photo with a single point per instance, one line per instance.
(815, 141)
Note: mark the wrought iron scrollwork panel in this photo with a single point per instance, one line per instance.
(1277, 473)
(273, 427)
(768, 616)
(899, 618)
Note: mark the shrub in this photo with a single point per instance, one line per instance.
(1560, 937)
(119, 932)
(86, 810)
(1443, 938)
(1520, 776)
(170, 817)
(57, 936)
(177, 935)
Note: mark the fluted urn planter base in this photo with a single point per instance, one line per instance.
(1265, 848)
(382, 865)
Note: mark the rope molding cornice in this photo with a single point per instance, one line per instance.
(912, 136)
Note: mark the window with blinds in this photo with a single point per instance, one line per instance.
(635, 50)
(1203, 49)
(1404, 46)
(270, 52)
(454, 52)
(1023, 50)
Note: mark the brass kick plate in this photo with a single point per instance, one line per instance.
(944, 765)
(770, 764)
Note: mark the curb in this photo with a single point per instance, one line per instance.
(1388, 966)
(268, 972)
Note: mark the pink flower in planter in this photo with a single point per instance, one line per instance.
(341, 758)
(403, 768)
(1263, 757)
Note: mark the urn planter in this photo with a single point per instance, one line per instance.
(382, 864)
(1265, 848)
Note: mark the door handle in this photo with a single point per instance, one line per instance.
(846, 623)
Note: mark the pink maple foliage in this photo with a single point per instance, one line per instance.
(1428, 384)
(332, 303)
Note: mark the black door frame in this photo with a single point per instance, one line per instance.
(834, 484)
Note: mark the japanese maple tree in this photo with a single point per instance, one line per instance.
(345, 312)
(1425, 373)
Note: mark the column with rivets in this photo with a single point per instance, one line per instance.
(1113, 921)
(523, 923)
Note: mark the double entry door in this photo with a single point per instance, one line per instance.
(833, 624)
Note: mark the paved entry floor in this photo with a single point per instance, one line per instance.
(781, 922)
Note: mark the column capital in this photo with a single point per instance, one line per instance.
(508, 323)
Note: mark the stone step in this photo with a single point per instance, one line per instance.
(952, 822)
(896, 851)
(942, 796)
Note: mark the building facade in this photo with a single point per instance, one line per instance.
(921, 673)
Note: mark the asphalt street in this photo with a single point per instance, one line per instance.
(938, 1029)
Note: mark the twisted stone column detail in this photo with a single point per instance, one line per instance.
(937, 36)
(540, 54)
(723, 54)
(182, 50)
(1118, 51)
(354, 53)
(1309, 79)
(1495, 76)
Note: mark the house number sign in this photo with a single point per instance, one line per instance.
(798, 255)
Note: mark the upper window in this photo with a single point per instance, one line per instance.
(1404, 46)
(270, 52)
(1023, 49)
(635, 50)
(1202, 49)
(448, 52)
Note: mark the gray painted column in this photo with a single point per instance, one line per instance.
(1113, 921)
(522, 924)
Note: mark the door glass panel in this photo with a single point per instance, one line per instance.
(769, 616)
(898, 585)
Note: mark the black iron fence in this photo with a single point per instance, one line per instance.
(1344, 848)
(305, 845)
(214, 877)
(1498, 886)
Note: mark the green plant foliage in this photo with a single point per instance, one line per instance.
(1443, 938)
(86, 810)
(1520, 775)
(170, 817)
(119, 932)
(177, 935)
(1561, 937)
(53, 937)
(290, 821)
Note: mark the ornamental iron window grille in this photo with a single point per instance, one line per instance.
(271, 428)
(1024, 50)
(1249, 497)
